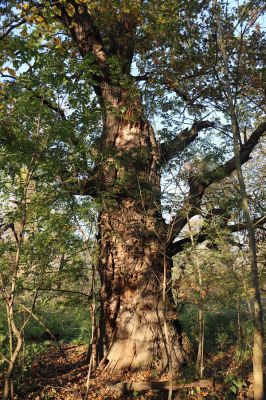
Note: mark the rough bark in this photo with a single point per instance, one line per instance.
(132, 235)
(131, 269)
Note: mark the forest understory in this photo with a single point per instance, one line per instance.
(55, 377)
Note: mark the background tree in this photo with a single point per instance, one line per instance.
(42, 245)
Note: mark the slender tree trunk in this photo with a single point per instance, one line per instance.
(201, 316)
(201, 321)
(8, 383)
(200, 358)
(239, 328)
(257, 311)
(132, 236)
(14, 331)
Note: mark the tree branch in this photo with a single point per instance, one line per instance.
(60, 291)
(245, 150)
(180, 92)
(40, 322)
(198, 185)
(178, 246)
(49, 104)
(46, 102)
(173, 147)
(12, 27)
(18, 21)
(123, 40)
(83, 31)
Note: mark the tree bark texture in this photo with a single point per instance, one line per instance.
(132, 241)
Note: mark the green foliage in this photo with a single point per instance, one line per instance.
(70, 324)
(30, 354)
(220, 327)
(234, 384)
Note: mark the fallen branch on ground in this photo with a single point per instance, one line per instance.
(124, 387)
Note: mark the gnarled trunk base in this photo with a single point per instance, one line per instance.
(138, 329)
(140, 342)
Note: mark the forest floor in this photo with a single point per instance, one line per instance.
(55, 377)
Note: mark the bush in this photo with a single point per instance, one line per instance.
(67, 323)
(220, 327)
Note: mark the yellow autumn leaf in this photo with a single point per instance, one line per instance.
(38, 18)
(70, 9)
(11, 71)
(57, 42)
(57, 11)
(23, 174)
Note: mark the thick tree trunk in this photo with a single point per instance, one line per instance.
(133, 313)
(132, 238)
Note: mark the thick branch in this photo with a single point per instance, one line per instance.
(245, 150)
(123, 40)
(84, 32)
(200, 237)
(198, 185)
(173, 147)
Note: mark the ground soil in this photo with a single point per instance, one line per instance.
(55, 377)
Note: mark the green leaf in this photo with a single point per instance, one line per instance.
(233, 389)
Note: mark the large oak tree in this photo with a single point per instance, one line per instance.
(104, 70)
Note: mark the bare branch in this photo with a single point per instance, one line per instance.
(245, 150)
(198, 185)
(179, 245)
(173, 147)
(42, 324)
